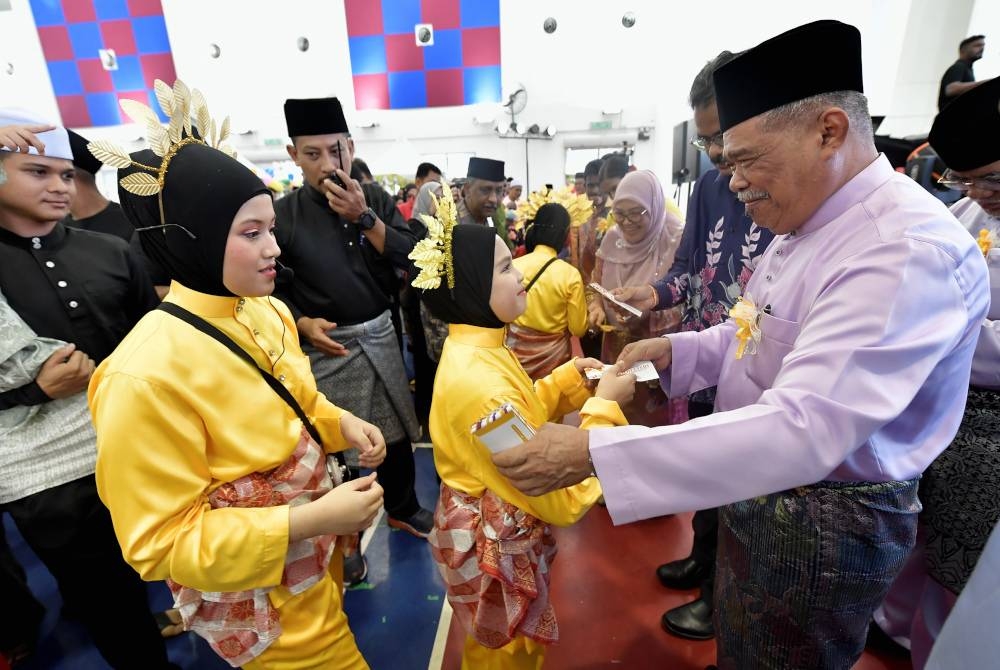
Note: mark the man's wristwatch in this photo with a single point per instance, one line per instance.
(367, 219)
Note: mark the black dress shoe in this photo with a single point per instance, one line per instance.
(692, 621)
(683, 574)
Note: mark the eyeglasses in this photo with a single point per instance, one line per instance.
(635, 216)
(702, 143)
(988, 182)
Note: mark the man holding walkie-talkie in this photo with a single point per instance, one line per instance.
(344, 243)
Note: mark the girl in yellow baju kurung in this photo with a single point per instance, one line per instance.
(493, 545)
(557, 305)
(213, 481)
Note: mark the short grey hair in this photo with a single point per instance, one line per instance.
(854, 103)
(703, 87)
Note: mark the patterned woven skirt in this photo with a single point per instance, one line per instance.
(539, 353)
(800, 572)
(961, 493)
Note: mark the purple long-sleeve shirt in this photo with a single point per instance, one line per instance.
(875, 307)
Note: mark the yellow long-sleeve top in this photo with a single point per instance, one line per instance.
(557, 302)
(477, 374)
(177, 414)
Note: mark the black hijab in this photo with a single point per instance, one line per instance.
(203, 190)
(549, 227)
(473, 248)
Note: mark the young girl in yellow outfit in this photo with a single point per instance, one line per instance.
(214, 480)
(494, 545)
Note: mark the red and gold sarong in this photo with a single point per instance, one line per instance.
(539, 353)
(240, 625)
(494, 559)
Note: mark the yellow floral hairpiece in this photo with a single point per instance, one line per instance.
(183, 106)
(987, 240)
(579, 206)
(433, 253)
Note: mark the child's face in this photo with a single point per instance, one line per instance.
(508, 299)
(249, 269)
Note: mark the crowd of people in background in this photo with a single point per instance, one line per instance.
(828, 400)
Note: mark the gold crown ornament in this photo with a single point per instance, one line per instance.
(579, 206)
(184, 107)
(433, 253)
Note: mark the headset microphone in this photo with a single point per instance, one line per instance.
(285, 273)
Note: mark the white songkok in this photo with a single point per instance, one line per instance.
(56, 141)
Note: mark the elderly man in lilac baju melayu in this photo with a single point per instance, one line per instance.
(841, 375)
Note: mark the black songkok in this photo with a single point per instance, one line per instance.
(486, 168)
(202, 192)
(82, 158)
(473, 248)
(315, 116)
(766, 77)
(966, 134)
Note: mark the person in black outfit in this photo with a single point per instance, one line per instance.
(959, 78)
(346, 242)
(86, 289)
(90, 210)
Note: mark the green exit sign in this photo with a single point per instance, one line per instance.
(600, 125)
(274, 142)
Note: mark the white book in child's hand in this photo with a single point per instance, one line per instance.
(607, 294)
(502, 429)
(644, 371)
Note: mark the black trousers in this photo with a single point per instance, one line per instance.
(705, 524)
(424, 367)
(396, 476)
(70, 530)
(21, 613)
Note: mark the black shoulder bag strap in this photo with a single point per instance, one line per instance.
(535, 278)
(279, 388)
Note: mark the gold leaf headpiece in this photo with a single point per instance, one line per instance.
(181, 105)
(579, 206)
(433, 253)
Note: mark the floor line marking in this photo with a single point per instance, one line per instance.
(441, 637)
(366, 537)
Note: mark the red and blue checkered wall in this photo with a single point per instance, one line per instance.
(73, 31)
(391, 72)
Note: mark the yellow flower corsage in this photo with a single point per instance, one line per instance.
(987, 240)
(605, 224)
(433, 253)
(747, 315)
